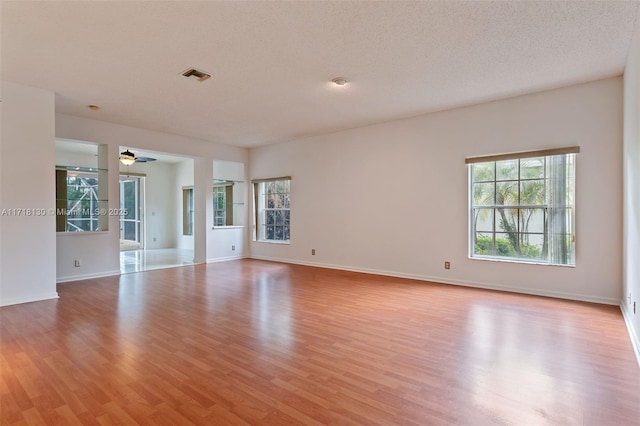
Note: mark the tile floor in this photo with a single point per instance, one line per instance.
(146, 260)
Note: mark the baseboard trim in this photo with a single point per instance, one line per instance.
(462, 283)
(633, 333)
(20, 300)
(86, 276)
(226, 259)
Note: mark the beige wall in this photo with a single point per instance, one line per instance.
(392, 198)
(631, 159)
(27, 164)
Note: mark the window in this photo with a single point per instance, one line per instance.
(77, 201)
(132, 207)
(522, 206)
(223, 203)
(273, 215)
(187, 211)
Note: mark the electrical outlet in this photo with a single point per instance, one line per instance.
(76, 263)
(447, 265)
(313, 252)
(233, 248)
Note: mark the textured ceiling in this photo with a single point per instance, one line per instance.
(272, 61)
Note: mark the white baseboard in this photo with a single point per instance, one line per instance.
(38, 298)
(70, 278)
(633, 333)
(464, 283)
(227, 258)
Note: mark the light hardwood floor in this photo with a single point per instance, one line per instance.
(253, 342)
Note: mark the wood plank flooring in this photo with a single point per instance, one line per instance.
(253, 342)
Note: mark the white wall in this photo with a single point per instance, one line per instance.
(64, 158)
(392, 198)
(160, 219)
(27, 243)
(99, 253)
(228, 170)
(230, 242)
(631, 160)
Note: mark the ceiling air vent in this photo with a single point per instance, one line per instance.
(200, 75)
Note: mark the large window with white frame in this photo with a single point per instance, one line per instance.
(523, 206)
(272, 203)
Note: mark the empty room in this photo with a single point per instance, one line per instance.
(320, 212)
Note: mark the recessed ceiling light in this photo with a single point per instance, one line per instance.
(339, 81)
(200, 75)
(93, 107)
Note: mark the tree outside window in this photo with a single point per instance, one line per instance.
(523, 209)
(273, 214)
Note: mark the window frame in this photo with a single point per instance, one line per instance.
(260, 211)
(557, 218)
(188, 211)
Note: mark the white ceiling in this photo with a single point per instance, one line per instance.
(272, 61)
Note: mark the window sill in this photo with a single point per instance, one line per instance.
(519, 261)
(228, 227)
(286, 243)
(61, 233)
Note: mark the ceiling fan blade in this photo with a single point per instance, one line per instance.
(144, 159)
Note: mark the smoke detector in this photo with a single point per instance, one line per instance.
(339, 81)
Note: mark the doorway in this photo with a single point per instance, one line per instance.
(131, 212)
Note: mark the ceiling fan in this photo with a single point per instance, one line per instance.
(128, 158)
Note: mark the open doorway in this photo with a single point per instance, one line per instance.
(131, 212)
(150, 192)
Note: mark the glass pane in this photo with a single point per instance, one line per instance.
(287, 216)
(505, 245)
(532, 220)
(484, 194)
(270, 233)
(129, 199)
(279, 218)
(483, 171)
(532, 192)
(532, 168)
(279, 233)
(268, 187)
(287, 233)
(507, 170)
(507, 220)
(531, 246)
(483, 244)
(507, 193)
(130, 231)
(270, 217)
(483, 220)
